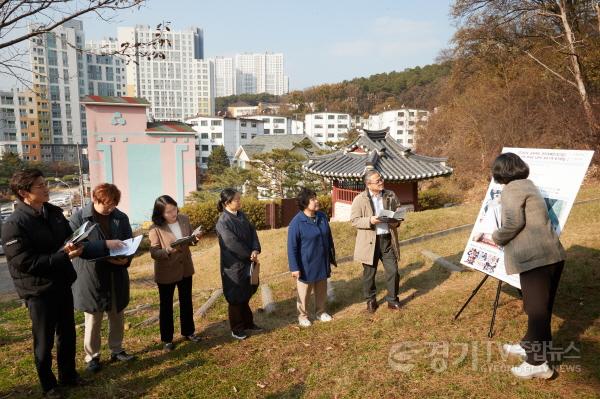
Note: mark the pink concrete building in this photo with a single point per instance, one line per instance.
(145, 160)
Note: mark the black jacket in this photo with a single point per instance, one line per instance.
(93, 290)
(237, 240)
(33, 243)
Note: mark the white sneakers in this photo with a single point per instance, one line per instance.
(304, 322)
(525, 370)
(323, 317)
(528, 371)
(515, 350)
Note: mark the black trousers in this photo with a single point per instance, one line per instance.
(240, 317)
(384, 252)
(186, 312)
(52, 314)
(539, 287)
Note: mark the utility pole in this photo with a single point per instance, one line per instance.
(81, 190)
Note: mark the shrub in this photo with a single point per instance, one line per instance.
(434, 198)
(255, 210)
(325, 203)
(203, 214)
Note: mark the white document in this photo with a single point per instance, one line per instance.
(131, 245)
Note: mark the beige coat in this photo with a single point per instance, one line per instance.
(527, 235)
(362, 210)
(170, 268)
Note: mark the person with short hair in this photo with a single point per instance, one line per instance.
(173, 268)
(103, 283)
(240, 248)
(39, 263)
(311, 253)
(531, 249)
(376, 240)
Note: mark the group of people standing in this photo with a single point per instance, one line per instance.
(54, 277)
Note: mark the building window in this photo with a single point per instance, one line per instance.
(204, 147)
(215, 123)
(330, 126)
(267, 131)
(330, 116)
(203, 123)
(243, 136)
(279, 120)
(243, 124)
(318, 116)
(204, 136)
(253, 124)
(217, 135)
(278, 131)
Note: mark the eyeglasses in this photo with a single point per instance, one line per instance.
(42, 185)
(380, 180)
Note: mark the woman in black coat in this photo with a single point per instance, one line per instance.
(239, 248)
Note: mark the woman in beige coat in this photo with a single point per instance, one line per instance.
(173, 267)
(531, 249)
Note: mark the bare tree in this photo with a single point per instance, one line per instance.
(23, 20)
(538, 28)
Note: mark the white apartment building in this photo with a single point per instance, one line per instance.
(65, 72)
(327, 126)
(259, 73)
(402, 123)
(179, 86)
(224, 76)
(274, 124)
(9, 123)
(222, 131)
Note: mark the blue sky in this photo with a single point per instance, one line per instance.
(323, 41)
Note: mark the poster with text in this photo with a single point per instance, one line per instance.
(558, 174)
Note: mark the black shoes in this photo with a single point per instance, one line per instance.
(372, 305)
(394, 305)
(94, 365)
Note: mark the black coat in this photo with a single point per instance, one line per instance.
(237, 240)
(33, 243)
(92, 292)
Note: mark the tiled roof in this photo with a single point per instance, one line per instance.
(108, 100)
(376, 149)
(268, 142)
(169, 127)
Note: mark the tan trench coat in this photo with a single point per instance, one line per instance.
(361, 212)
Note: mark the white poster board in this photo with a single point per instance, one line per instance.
(558, 174)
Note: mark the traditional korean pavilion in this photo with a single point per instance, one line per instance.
(401, 168)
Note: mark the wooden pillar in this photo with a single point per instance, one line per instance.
(415, 186)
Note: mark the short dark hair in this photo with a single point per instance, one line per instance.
(304, 197)
(159, 209)
(227, 196)
(23, 180)
(508, 167)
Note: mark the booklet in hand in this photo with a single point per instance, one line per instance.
(387, 216)
(81, 233)
(129, 249)
(187, 240)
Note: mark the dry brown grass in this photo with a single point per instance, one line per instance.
(348, 357)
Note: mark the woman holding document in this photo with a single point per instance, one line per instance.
(173, 267)
(239, 249)
(102, 284)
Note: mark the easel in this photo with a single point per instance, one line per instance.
(491, 331)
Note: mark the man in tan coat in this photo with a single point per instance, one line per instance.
(376, 240)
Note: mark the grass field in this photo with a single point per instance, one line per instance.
(358, 354)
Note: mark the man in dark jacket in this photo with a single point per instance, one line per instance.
(102, 285)
(39, 262)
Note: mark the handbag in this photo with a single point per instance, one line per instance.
(254, 273)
